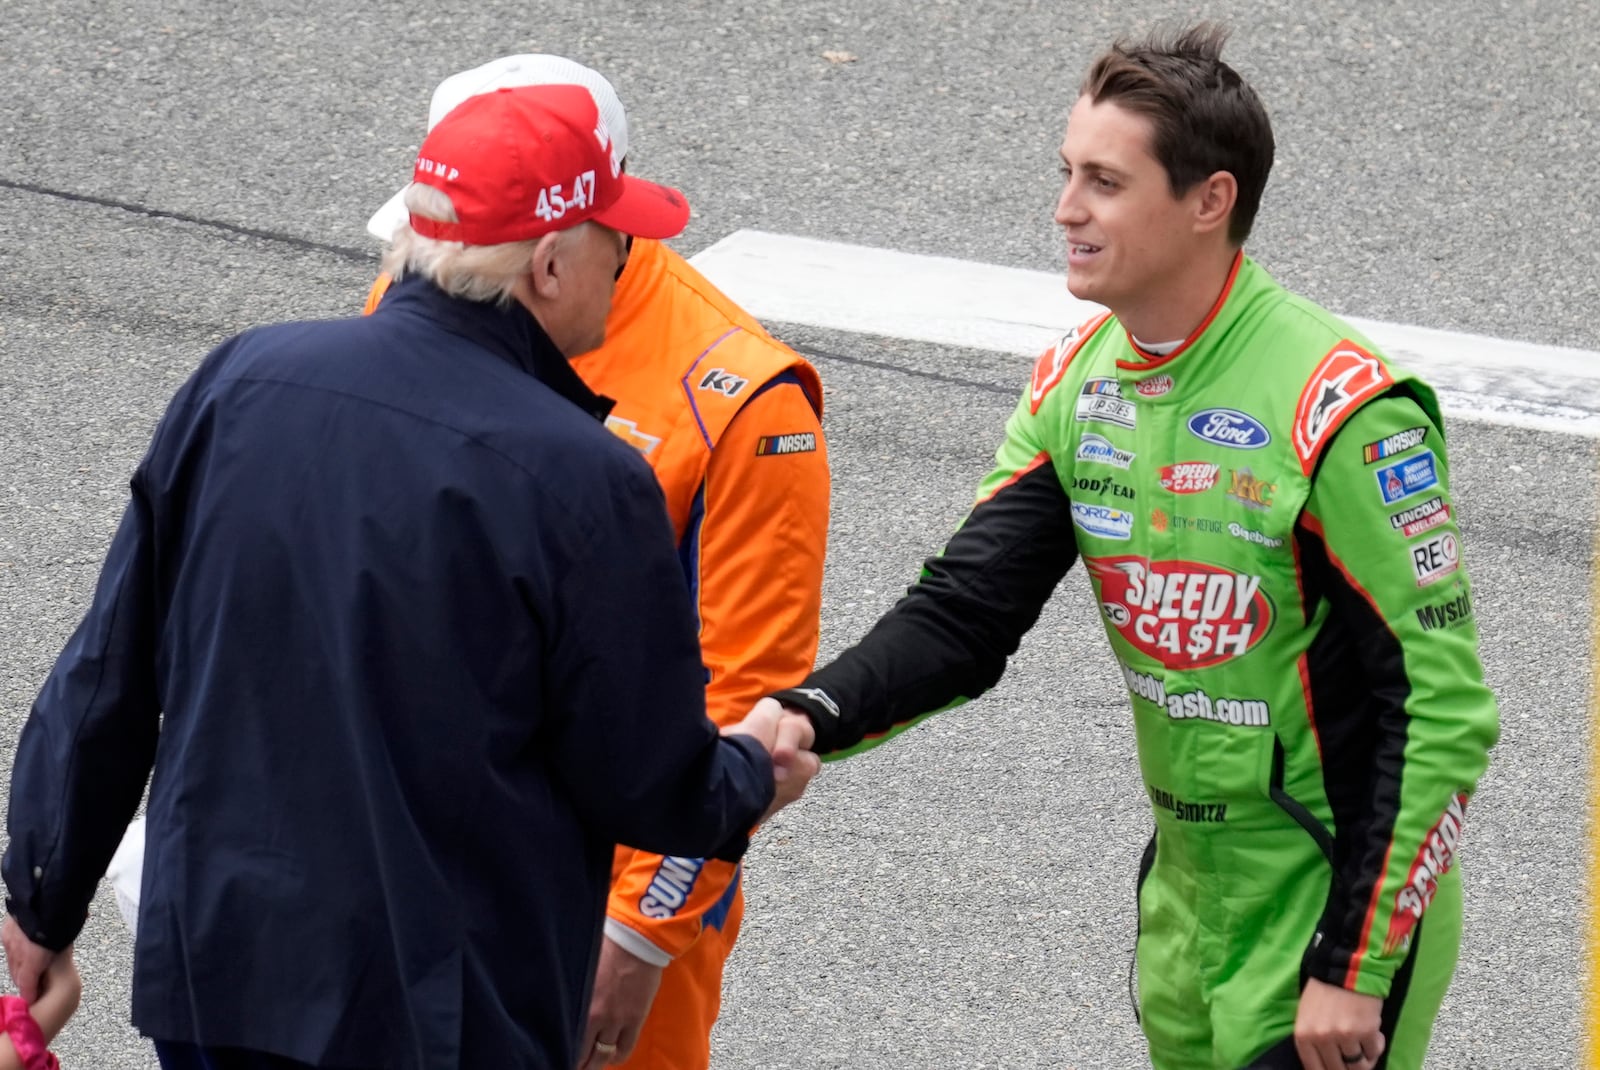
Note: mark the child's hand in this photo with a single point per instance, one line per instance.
(28, 961)
(59, 992)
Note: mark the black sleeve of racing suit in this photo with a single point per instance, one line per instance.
(948, 639)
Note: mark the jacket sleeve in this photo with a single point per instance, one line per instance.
(1381, 507)
(633, 747)
(88, 744)
(949, 638)
(754, 555)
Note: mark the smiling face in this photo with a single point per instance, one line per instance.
(1130, 241)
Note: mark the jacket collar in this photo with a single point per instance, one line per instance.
(509, 332)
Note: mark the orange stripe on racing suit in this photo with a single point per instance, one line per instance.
(730, 420)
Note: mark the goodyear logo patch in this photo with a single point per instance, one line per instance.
(774, 445)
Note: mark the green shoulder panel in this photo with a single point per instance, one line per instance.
(1030, 430)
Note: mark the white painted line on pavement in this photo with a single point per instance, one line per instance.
(984, 306)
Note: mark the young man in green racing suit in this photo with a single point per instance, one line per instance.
(1263, 505)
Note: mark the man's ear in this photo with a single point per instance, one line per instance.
(547, 266)
(1215, 196)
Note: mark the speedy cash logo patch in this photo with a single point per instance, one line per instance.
(1190, 477)
(1154, 387)
(1184, 614)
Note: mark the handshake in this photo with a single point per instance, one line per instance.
(786, 734)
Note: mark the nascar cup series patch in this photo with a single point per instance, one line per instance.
(1102, 401)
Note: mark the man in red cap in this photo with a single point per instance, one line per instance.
(729, 419)
(401, 630)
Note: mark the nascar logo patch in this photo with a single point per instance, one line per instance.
(775, 445)
(1398, 442)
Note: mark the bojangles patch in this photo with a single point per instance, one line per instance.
(1347, 376)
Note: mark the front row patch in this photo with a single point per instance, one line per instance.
(798, 442)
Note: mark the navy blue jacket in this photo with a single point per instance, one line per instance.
(401, 628)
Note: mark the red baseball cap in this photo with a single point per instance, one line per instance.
(523, 162)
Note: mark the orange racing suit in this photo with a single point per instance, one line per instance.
(730, 420)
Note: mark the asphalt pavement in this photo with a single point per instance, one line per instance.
(174, 172)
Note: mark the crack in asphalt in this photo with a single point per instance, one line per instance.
(344, 252)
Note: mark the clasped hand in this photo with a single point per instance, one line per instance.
(785, 734)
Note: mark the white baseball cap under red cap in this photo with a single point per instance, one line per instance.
(521, 163)
(509, 72)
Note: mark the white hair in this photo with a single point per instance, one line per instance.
(473, 272)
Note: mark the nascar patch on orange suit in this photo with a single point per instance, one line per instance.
(778, 445)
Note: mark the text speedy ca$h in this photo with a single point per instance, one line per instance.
(1185, 614)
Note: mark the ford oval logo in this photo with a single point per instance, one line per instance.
(1229, 427)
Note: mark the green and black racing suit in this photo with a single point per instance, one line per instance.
(1266, 517)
